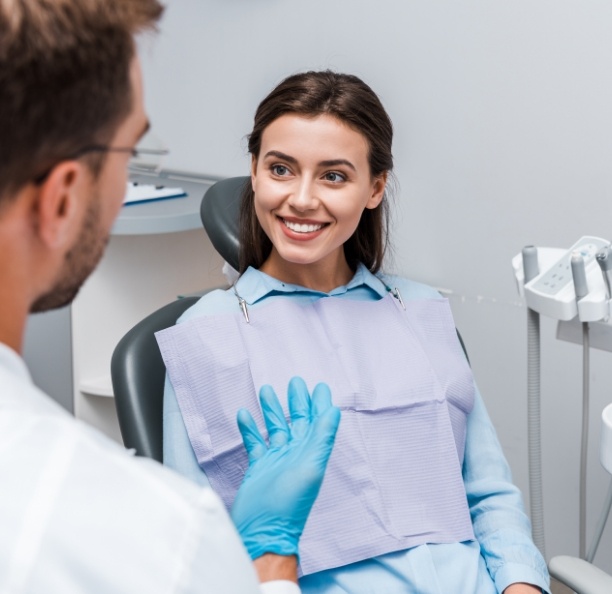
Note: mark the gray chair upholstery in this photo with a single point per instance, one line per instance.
(137, 368)
(220, 211)
(138, 373)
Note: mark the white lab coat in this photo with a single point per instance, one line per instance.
(79, 514)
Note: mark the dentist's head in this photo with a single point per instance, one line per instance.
(71, 112)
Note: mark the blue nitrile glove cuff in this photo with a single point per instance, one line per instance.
(269, 542)
(284, 477)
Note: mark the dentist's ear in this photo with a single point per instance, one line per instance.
(57, 207)
(378, 190)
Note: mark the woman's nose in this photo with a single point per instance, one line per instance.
(303, 196)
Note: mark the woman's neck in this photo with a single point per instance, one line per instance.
(324, 276)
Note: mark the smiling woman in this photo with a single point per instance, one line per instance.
(418, 495)
(357, 112)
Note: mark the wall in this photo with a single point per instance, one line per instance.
(47, 350)
(503, 118)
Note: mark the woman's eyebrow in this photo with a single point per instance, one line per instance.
(279, 155)
(336, 162)
(327, 163)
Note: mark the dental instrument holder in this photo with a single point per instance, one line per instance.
(575, 294)
(552, 293)
(581, 288)
(604, 259)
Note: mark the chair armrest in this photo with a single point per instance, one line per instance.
(579, 575)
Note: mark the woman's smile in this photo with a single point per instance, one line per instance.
(305, 229)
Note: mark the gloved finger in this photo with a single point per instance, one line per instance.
(274, 417)
(321, 399)
(254, 443)
(299, 407)
(323, 435)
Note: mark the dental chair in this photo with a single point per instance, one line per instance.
(577, 574)
(138, 374)
(137, 369)
(580, 575)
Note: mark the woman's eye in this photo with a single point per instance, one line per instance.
(334, 176)
(279, 170)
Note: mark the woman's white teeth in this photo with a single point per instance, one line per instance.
(302, 227)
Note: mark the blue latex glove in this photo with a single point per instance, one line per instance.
(284, 478)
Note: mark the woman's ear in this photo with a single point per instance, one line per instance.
(378, 190)
(59, 203)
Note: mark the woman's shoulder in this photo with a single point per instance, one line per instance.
(214, 302)
(410, 289)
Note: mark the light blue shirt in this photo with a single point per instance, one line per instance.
(503, 552)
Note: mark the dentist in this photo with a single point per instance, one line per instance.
(78, 513)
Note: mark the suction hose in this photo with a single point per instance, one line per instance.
(536, 500)
(581, 289)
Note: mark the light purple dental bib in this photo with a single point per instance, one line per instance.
(404, 387)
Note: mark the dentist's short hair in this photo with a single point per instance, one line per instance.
(64, 79)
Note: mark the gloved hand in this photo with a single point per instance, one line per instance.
(284, 478)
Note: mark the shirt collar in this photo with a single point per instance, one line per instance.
(11, 361)
(255, 285)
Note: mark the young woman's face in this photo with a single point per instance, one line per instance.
(311, 182)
